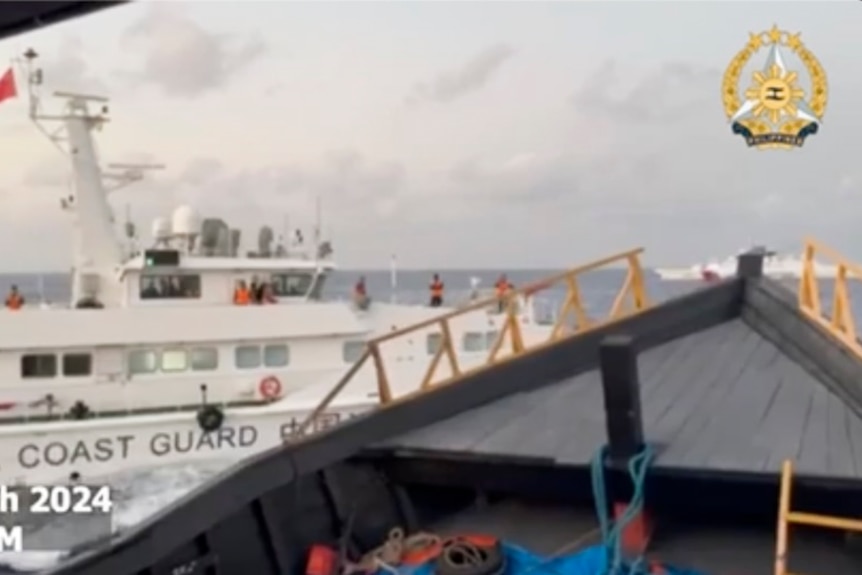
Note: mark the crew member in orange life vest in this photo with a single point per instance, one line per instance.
(503, 287)
(14, 300)
(436, 288)
(359, 290)
(241, 295)
(360, 294)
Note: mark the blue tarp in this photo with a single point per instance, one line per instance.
(519, 561)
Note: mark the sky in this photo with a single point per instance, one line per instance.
(452, 134)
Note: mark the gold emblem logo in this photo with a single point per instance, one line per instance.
(777, 110)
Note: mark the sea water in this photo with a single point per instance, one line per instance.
(141, 494)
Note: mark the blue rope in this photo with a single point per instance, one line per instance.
(612, 532)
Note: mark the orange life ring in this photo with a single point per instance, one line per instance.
(270, 387)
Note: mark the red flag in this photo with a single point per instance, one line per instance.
(7, 85)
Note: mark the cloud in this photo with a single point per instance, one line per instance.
(69, 71)
(671, 92)
(201, 171)
(847, 186)
(51, 170)
(183, 59)
(470, 77)
(355, 191)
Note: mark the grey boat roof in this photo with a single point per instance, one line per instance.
(18, 17)
(725, 399)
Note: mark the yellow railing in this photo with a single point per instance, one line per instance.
(838, 320)
(788, 517)
(630, 299)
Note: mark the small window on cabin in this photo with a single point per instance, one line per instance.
(292, 284)
(352, 351)
(204, 358)
(77, 364)
(474, 341)
(491, 338)
(433, 342)
(143, 361)
(276, 355)
(173, 360)
(170, 286)
(247, 357)
(38, 365)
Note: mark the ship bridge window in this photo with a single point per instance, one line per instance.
(142, 361)
(204, 359)
(277, 355)
(292, 284)
(77, 364)
(255, 356)
(247, 357)
(352, 351)
(170, 286)
(474, 341)
(38, 366)
(173, 360)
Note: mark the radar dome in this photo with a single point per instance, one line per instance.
(185, 221)
(161, 228)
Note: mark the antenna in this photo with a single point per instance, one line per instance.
(121, 175)
(393, 277)
(318, 221)
(34, 80)
(81, 97)
(76, 103)
(130, 230)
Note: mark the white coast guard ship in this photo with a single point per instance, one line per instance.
(775, 265)
(153, 364)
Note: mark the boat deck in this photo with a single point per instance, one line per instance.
(551, 530)
(721, 400)
(732, 379)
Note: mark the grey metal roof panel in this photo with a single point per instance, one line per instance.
(724, 399)
(20, 17)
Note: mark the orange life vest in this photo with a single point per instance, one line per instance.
(241, 297)
(14, 301)
(437, 289)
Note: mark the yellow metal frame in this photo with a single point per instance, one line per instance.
(839, 322)
(788, 517)
(630, 300)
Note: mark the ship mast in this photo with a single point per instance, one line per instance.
(98, 252)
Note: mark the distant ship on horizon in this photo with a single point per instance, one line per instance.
(775, 265)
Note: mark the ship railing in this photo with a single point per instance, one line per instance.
(788, 517)
(837, 318)
(513, 339)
